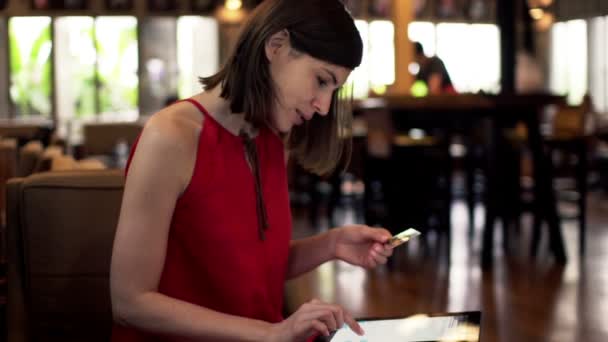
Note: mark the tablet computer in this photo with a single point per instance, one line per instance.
(461, 327)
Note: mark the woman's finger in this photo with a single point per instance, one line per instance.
(331, 314)
(386, 251)
(373, 253)
(330, 321)
(383, 250)
(380, 259)
(319, 327)
(378, 248)
(353, 324)
(314, 320)
(375, 234)
(339, 314)
(326, 313)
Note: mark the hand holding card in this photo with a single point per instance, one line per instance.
(402, 237)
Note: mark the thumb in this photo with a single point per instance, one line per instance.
(380, 235)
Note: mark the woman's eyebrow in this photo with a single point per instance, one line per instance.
(333, 76)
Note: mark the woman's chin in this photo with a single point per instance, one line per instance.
(286, 128)
(280, 129)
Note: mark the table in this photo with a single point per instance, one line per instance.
(451, 112)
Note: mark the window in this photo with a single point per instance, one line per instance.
(359, 78)
(424, 33)
(159, 73)
(381, 53)
(75, 59)
(117, 63)
(196, 57)
(30, 48)
(471, 52)
(93, 63)
(4, 111)
(96, 61)
(568, 74)
(377, 69)
(598, 75)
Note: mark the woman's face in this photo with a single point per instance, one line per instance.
(304, 85)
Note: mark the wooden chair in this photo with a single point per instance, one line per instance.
(569, 143)
(61, 229)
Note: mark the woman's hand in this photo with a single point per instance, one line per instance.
(361, 245)
(314, 317)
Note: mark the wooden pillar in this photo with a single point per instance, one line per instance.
(403, 14)
(505, 13)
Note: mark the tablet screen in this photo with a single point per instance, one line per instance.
(462, 327)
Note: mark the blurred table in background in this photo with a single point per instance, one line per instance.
(452, 113)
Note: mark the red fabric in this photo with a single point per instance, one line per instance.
(215, 257)
(449, 90)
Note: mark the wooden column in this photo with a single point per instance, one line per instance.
(403, 14)
(505, 14)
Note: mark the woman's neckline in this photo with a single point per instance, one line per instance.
(221, 121)
(230, 122)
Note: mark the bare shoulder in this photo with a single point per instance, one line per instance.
(170, 137)
(176, 125)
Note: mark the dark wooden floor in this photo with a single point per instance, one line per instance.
(521, 298)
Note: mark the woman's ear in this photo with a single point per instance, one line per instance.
(276, 44)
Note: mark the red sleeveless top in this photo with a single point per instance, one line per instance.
(215, 257)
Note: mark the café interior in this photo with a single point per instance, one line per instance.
(505, 176)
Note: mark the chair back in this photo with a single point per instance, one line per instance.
(29, 155)
(61, 229)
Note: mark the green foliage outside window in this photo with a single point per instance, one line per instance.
(30, 48)
(117, 69)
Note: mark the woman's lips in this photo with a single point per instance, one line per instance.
(299, 117)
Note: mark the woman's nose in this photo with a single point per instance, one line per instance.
(321, 103)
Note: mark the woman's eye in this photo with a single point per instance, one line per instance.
(322, 82)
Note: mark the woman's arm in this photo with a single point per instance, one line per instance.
(158, 174)
(308, 253)
(356, 244)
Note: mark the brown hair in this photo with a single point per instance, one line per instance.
(322, 29)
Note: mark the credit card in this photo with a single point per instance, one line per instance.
(402, 237)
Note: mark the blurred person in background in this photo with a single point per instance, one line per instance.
(432, 72)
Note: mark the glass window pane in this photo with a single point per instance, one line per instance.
(484, 61)
(4, 111)
(605, 63)
(30, 48)
(196, 57)
(74, 69)
(471, 54)
(424, 33)
(598, 68)
(382, 52)
(569, 60)
(577, 41)
(453, 50)
(558, 77)
(159, 69)
(116, 40)
(359, 78)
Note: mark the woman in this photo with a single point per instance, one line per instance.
(203, 248)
